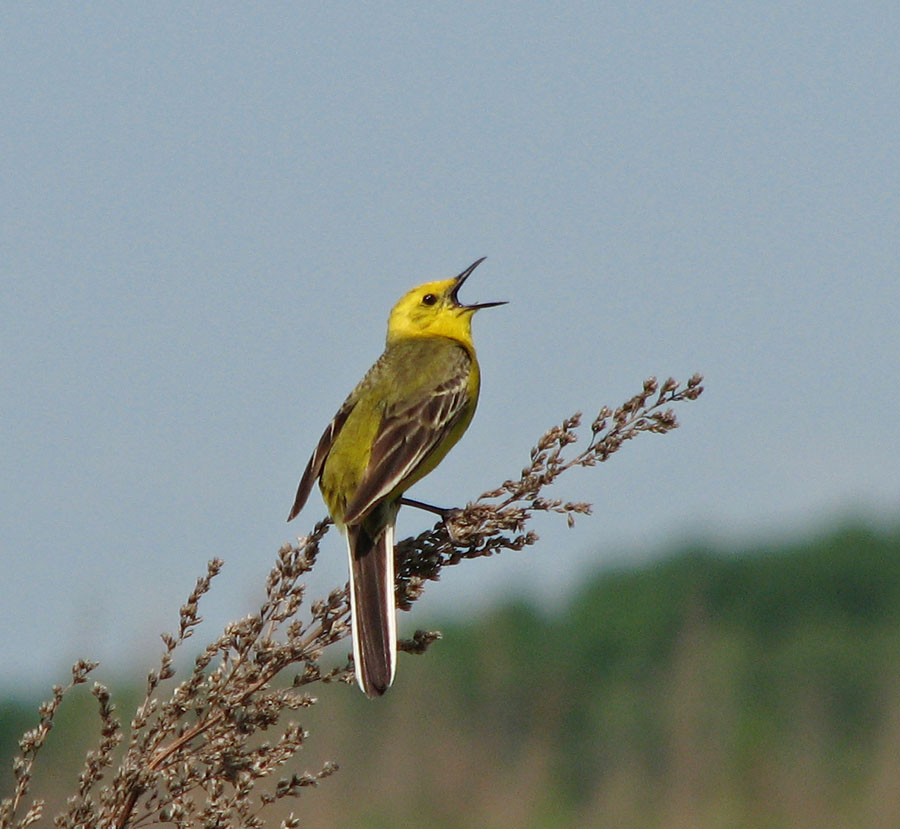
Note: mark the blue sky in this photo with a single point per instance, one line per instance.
(208, 212)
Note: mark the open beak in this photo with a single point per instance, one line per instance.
(459, 282)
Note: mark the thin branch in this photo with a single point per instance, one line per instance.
(186, 751)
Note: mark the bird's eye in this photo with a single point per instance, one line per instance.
(429, 299)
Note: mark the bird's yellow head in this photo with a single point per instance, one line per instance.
(433, 310)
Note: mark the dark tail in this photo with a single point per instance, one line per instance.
(374, 614)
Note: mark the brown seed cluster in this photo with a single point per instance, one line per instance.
(197, 755)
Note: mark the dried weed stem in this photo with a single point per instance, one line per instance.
(197, 758)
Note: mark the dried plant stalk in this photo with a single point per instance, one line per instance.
(196, 758)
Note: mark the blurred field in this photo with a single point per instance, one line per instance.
(704, 690)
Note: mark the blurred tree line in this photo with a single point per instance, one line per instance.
(705, 688)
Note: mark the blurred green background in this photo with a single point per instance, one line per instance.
(707, 688)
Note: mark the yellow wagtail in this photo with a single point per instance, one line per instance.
(396, 426)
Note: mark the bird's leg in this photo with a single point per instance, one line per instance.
(444, 512)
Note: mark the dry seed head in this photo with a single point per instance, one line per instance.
(197, 739)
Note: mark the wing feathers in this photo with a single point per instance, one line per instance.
(317, 461)
(406, 438)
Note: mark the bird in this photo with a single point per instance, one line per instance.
(395, 427)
